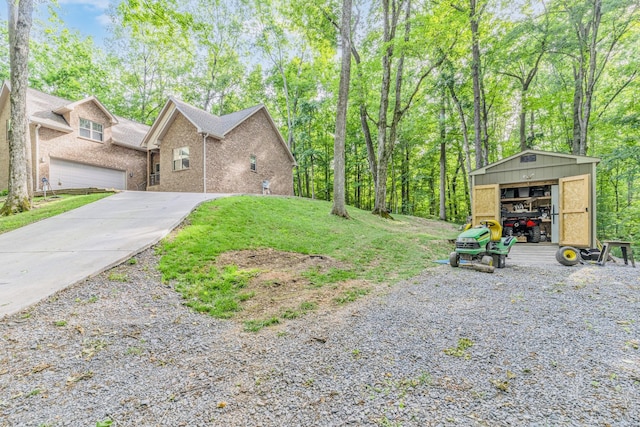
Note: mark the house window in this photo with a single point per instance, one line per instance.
(180, 158)
(252, 163)
(91, 130)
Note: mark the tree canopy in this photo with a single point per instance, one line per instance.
(437, 88)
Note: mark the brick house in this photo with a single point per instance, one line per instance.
(77, 144)
(192, 150)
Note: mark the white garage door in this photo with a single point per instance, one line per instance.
(66, 174)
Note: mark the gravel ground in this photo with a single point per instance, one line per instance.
(553, 346)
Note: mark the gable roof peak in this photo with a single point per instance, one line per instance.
(70, 107)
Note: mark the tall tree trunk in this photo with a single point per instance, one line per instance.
(532, 135)
(313, 182)
(393, 199)
(299, 181)
(371, 151)
(327, 170)
(20, 178)
(364, 123)
(464, 130)
(406, 203)
(577, 109)
(485, 124)
(357, 187)
(443, 161)
(586, 69)
(465, 181)
(591, 77)
(387, 132)
(306, 183)
(384, 141)
(339, 208)
(474, 16)
(454, 185)
(523, 122)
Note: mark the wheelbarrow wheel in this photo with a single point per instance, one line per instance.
(568, 256)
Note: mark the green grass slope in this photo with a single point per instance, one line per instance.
(46, 208)
(372, 248)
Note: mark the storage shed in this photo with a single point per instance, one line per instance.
(554, 190)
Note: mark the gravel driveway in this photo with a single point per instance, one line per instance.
(552, 346)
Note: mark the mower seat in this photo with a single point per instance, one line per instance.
(495, 227)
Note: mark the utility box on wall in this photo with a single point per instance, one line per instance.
(554, 191)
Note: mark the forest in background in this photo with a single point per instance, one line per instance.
(438, 88)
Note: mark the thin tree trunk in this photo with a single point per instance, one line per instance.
(20, 178)
(591, 77)
(465, 181)
(532, 135)
(464, 129)
(339, 207)
(384, 151)
(485, 124)
(298, 181)
(577, 108)
(313, 183)
(587, 72)
(364, 123)
(406, 203)
(454, 187)
(443, 161)
(523, 123)
(371, 152)
(475, 73)
(393, 199)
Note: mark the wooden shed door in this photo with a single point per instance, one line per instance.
(574, 211)
(486, 203)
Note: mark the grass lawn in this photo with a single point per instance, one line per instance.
(45, 208)
(366, 248)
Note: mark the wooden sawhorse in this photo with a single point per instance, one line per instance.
(626, 252)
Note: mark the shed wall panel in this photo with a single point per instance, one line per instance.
(511, 176)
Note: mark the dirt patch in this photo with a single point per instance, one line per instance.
(271, 259)
(280, 288)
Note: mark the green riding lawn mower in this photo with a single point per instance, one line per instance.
(482, 248)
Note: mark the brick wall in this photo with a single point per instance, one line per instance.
(70, 146)
(228, 160)
(181, 133)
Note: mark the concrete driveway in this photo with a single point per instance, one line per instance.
(40, 259)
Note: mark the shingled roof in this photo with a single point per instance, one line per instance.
(46, 110)
(40, 108)
(128, 133)
(204, 122)
(217, 126)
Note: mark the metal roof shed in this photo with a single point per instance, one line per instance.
(559, 187)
